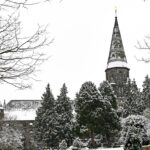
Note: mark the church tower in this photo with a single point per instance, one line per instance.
(117, 71)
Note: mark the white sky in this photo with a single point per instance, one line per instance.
(82, 30)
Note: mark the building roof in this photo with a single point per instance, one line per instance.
(119, 64)
(20, 114)
(117, 57)
(21, 109)
(22, 104)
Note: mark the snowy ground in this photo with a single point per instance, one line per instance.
(100, 148)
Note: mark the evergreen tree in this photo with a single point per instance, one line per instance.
(133, 103)
(146, 92)
(64, 111)
(108, 93)
(95, 113)
(46, 123)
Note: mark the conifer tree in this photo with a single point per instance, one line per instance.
(108, 93)
(146, 92)
(64, 111)
(133, 103)
(95, 113)
(46, 123)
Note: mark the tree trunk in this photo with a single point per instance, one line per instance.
(93, 144)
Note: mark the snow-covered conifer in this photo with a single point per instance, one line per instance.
(146, 92)
(108, 93)
(64, 111)
(95, 113)
(133, 102)
(46, 123)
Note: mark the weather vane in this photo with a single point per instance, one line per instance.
(115, 11)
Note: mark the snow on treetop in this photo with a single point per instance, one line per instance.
(117, 64)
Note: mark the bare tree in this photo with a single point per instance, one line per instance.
(146, 47)
(19, 54)
(16, 4)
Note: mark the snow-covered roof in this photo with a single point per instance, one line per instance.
(20, 114)
(23, 104)
(114, 64)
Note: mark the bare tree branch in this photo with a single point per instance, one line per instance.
(145, 46)
(16, 4)
(20, 55)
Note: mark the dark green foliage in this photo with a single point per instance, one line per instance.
(46, 123)
(108, 93)
(87, 105)
(133, 141)
(146, 92)
(64, 111)
(133, 102)
(111, 122)
(94, 113)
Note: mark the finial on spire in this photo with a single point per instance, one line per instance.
(115, 11)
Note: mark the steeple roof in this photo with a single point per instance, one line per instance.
(117, 57)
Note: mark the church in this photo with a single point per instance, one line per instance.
(117, 70)
(117, 74)
(22, 113)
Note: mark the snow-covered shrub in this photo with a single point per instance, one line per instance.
(97, 143)
(135, 126)
(10, 139)
(77, 144)
(63, 145)
(146, 113)
(133, 141)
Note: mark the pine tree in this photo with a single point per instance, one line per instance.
(108, 93)
(95, 113)
(146, 92)
(46, 123)
(133, 102)
(64, 111)
(109, 96)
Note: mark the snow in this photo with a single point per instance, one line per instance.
(20, 114)
(117, 64)
(100, 148)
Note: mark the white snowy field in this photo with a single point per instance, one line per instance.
(100, 148)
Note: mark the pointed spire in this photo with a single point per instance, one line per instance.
(115, 11)
(117, 57)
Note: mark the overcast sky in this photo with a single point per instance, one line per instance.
(82, 30)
